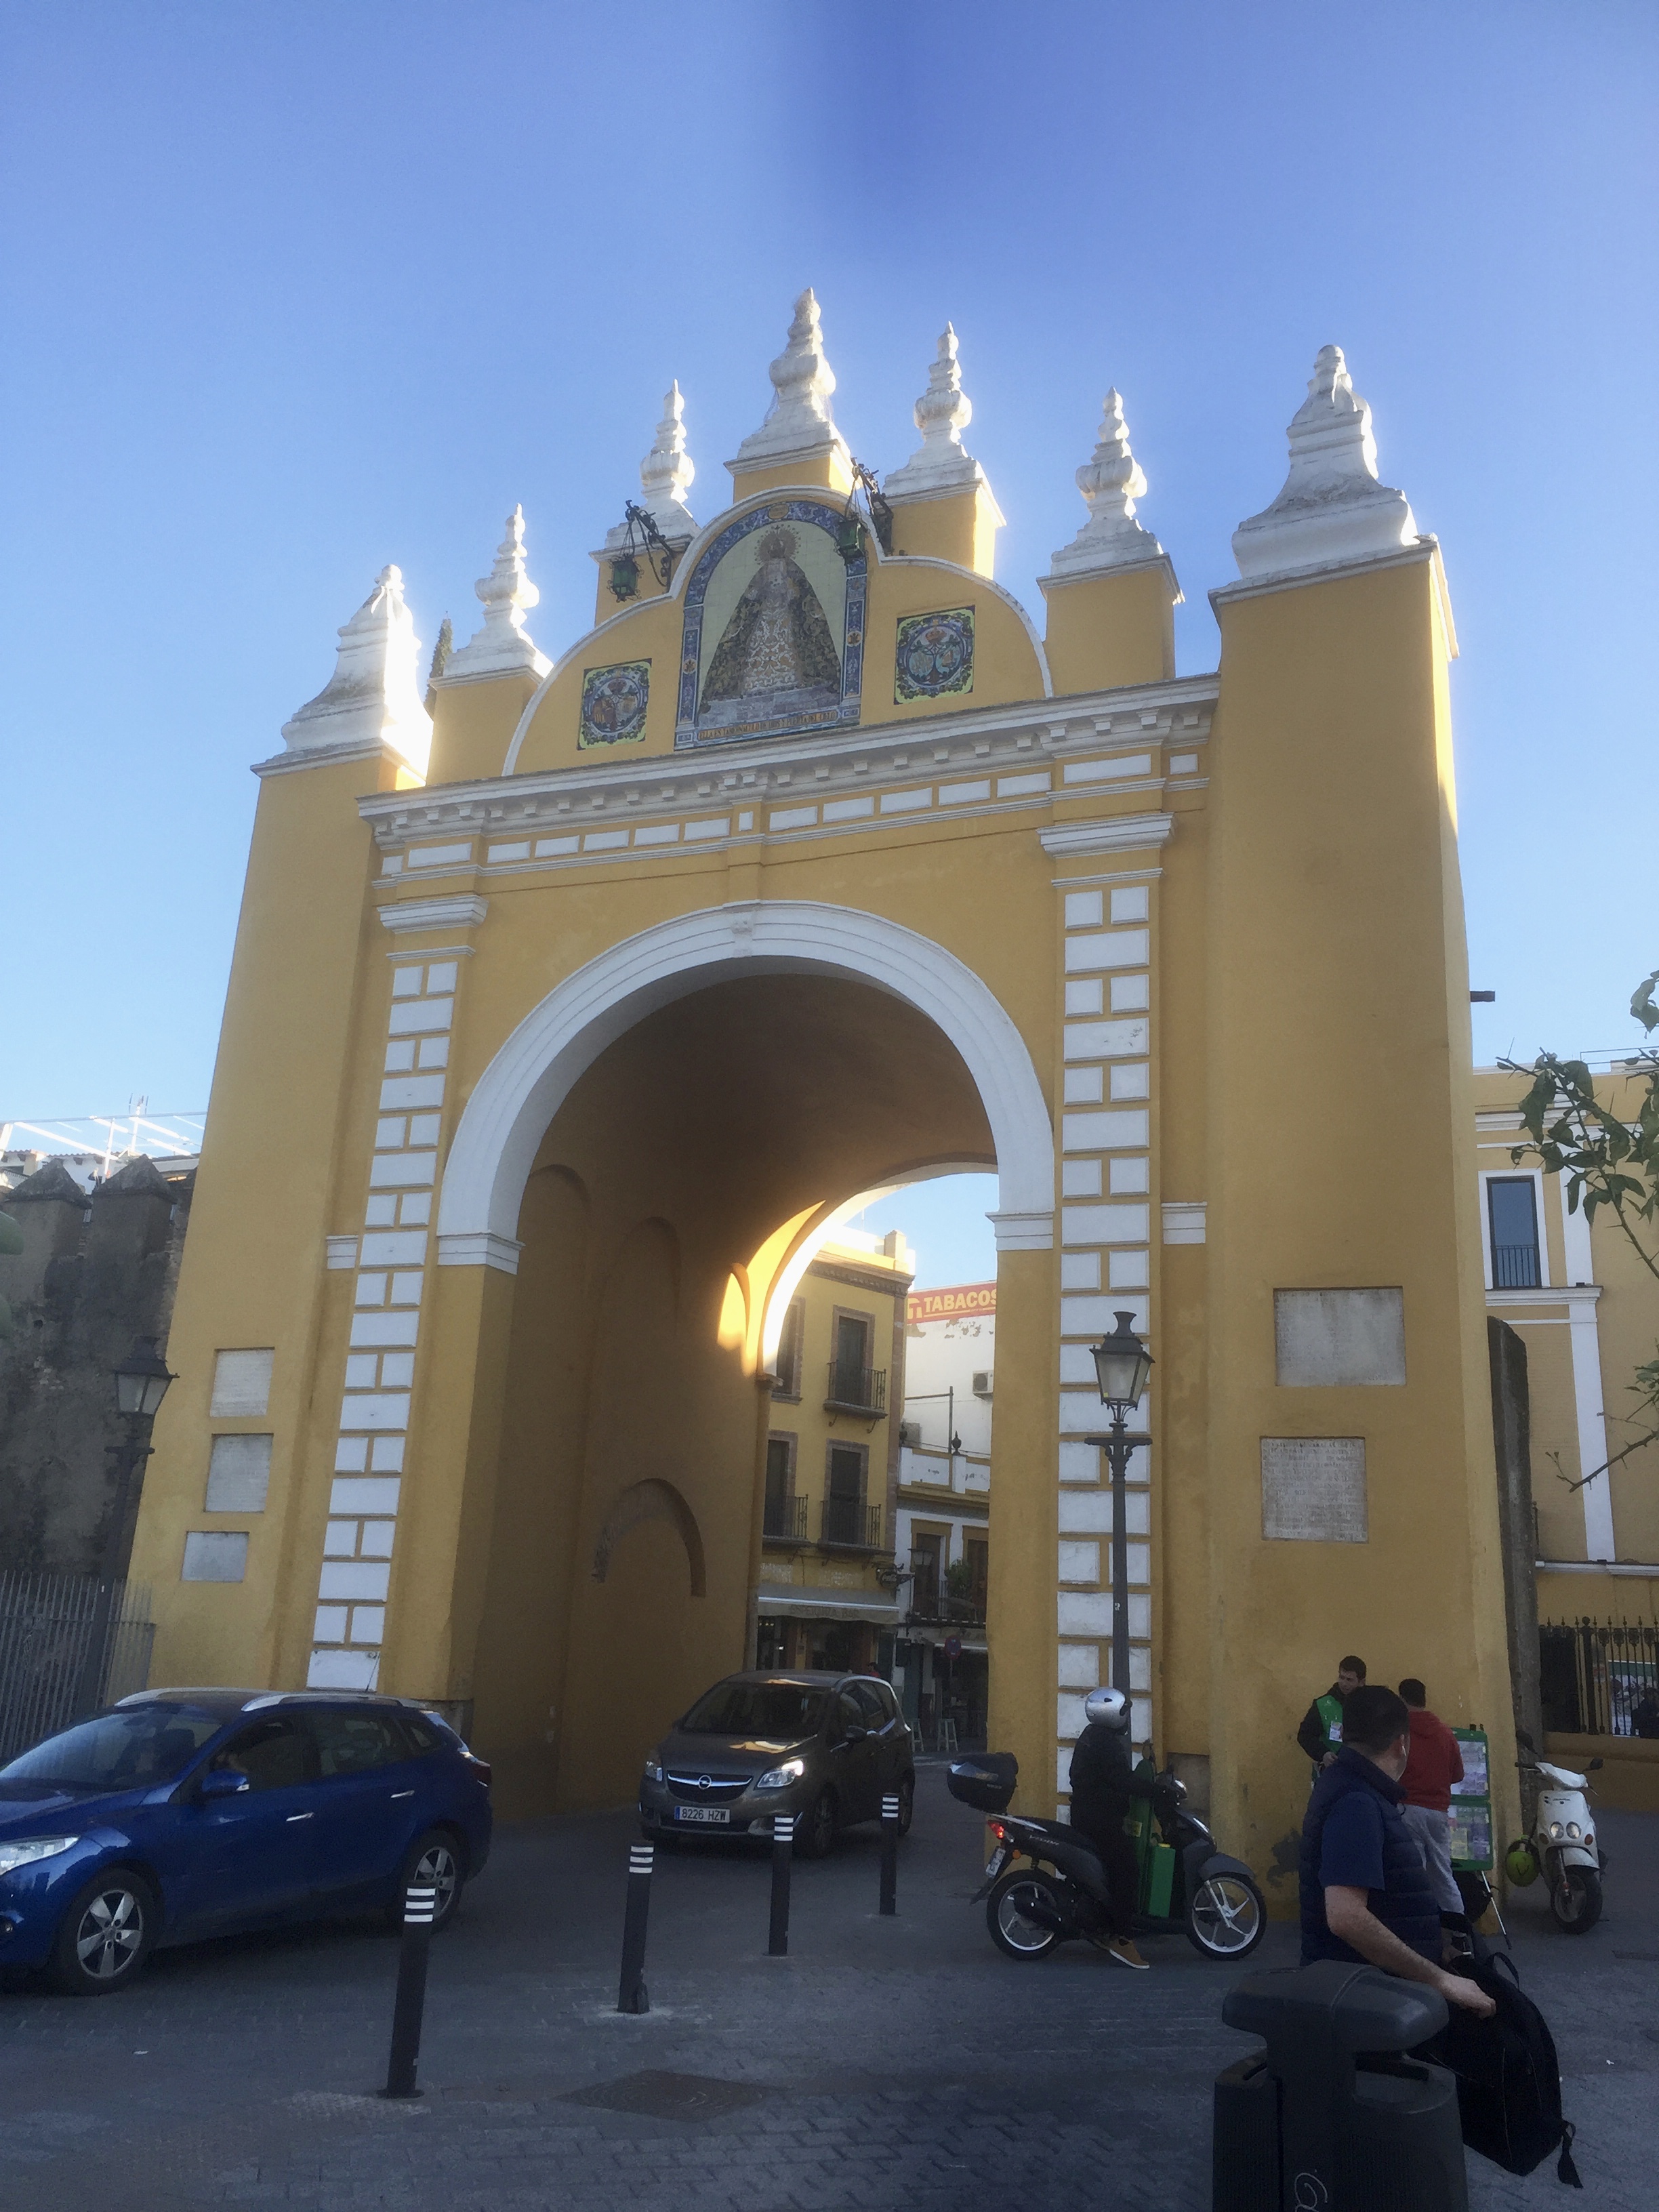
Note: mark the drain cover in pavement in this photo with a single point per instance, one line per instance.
(662, 2096)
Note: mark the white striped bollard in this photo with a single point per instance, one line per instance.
(419, 1910)
(783, 1851)
(889, 1842)
(631, 1996)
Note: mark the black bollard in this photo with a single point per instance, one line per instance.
(631, 1996)
(889, 1840)
(420, 1910)
(783, 1851)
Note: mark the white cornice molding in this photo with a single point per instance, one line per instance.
(1595, 1567)
(465, 911)
(478, 1248)
(1121, 833)
(364, 749)
(1057, 579)
(1175, 711)
(1023, 1229)
(1563, 1294)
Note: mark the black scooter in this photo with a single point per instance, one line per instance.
(1061, 1893)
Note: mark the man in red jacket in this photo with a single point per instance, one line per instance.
(1434, 1764)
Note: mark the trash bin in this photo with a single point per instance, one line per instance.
(1336, 2113)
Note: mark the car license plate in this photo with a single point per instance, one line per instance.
(997, 1861)
(713, 1815)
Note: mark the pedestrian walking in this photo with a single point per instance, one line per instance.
(1436, 1762)
(1321, 1731)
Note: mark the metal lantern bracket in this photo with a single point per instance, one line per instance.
(644, 541)
(849, 539)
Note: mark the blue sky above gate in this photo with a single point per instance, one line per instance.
(298, 290)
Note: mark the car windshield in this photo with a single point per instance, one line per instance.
(117, 1751)
(780, 1710)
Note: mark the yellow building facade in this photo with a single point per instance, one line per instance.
(561, 1021)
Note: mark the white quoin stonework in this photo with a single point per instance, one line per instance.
(1111, 480)
(502, 647)
(372, 698)
(940, 464)
(798, 422)
(1333, 508)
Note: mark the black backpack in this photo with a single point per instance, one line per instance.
(1509, 2081)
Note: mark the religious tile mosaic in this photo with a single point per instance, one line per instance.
(773, 636)
(935, 655)
(614, 701)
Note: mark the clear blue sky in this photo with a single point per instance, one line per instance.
(298, 289)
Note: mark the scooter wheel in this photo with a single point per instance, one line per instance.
(1024, 1914)
(1575, 1898)
(1226, 1919)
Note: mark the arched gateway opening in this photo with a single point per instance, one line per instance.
(659, 1140)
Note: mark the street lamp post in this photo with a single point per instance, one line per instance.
(140, 1383)
(1122, 1366)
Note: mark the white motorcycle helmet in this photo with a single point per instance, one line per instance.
(1110, 1706)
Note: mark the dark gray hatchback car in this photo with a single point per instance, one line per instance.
(826, 1747)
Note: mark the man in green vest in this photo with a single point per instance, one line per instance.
(1321, 1731)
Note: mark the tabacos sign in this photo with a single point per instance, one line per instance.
(952, 1304)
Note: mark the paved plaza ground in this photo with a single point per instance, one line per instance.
(885, 2066)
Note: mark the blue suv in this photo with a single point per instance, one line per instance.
(184, 1814)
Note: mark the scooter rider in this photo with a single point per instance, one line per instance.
(1103, 1784)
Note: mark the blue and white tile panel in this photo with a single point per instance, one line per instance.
(1105, 1207)
(392, 1258)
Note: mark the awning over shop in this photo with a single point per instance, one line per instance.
(802, 1601)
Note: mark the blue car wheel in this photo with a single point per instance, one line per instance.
(105, 1937)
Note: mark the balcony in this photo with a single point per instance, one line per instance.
(856, 1390)
(785, 1521)
(1515, 1267)
(848, 1524)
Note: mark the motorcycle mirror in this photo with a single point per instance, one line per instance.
(1525, 1741)
(1595, 1767)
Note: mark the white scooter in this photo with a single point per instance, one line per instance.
(1562, 1845)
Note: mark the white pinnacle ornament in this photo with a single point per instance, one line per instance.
(940, 464)
(666, 476)
(1333, 508)
(1111, 480)
(504, 646)
(373, 697)
(798, 424)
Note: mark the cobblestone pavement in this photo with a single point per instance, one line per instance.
(885, 2066)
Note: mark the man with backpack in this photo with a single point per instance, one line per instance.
(1365, 1893)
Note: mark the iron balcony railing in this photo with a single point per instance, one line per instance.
(1600, 1677)
(786, 1518)
(1515, 1267)
(850, 1523)
(856, 1389)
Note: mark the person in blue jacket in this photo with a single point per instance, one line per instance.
(1366, 1896)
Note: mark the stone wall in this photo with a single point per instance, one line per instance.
(97, 1269)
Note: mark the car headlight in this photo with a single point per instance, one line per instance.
(654, 1768)
(1556, 1830)
(780, 1778)
(25, 1853)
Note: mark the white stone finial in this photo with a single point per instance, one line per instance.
(666, 476)
(1111, 480)
(373, 697)
(1333, 508)
(799, 422)
(504, 646)
(940, 464)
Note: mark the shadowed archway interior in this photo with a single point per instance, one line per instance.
(634, 1422)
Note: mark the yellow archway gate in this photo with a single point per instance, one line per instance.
(811, 867)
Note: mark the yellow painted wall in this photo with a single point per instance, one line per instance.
(1111, 629)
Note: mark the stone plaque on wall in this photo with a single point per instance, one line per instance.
(1313, 1489)
(1335, 1337)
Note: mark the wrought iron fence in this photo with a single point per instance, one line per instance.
(47, 1623)
(850, 1522)
(786, 1519)
(1600, 1677)
(1515, 1266)
(860, 1389)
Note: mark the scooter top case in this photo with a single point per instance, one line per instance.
(986, 1780)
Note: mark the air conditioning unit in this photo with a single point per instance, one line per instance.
(910, 1433)
(982, 1382)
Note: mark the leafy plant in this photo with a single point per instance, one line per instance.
(1609, 1163)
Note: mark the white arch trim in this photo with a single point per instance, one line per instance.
(535, 1070)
